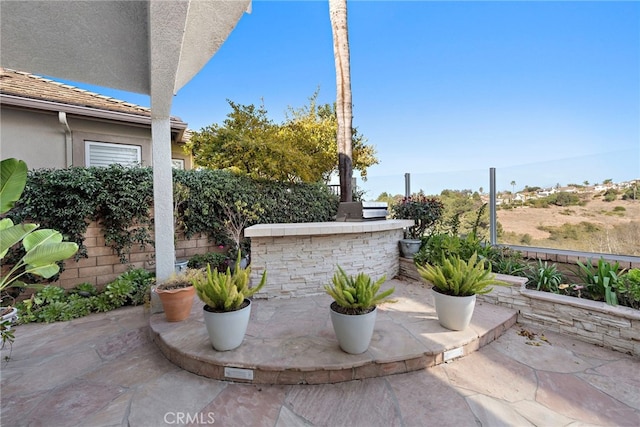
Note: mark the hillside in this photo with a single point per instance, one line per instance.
(598, 226)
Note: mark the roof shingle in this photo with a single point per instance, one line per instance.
(18, 83)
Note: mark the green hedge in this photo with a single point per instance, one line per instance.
(120, 200)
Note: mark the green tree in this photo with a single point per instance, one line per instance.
(301, 149)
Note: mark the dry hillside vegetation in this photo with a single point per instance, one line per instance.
(598, 226)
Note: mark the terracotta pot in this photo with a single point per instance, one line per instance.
(176, 302)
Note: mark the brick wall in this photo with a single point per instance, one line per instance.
(103, 264)
(301, 265)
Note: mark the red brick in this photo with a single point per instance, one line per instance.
(340, 376)
(95, 271)
(141, 257)
(90, 242)
(100, 251)
(93, 232)
(82, 262)
(108, 260)
(69, 273)
(184, 244)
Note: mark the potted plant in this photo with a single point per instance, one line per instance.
(425, 212)
(227, 305)
(354, 309)
(455, 286)
(177, 293)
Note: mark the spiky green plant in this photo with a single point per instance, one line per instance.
(226, 291)
(359, 294)
(459, 278)
(602, 280)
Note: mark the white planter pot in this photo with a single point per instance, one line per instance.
(353, 332)
(454, 312)
(409, 247)
(180, 265)
(226, 330)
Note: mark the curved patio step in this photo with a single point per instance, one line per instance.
(291, 341)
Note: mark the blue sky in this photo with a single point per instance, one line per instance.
(546, 92)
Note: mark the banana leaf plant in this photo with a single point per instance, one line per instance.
(43, 248)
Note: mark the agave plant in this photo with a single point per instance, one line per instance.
(359, 294)
(226, 291)
(459, 278)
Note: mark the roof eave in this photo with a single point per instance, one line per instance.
(40, 104)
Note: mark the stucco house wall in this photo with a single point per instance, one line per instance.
(30, 128)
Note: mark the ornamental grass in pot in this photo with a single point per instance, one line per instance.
(227, 305)
(455, 285)
(354, 309)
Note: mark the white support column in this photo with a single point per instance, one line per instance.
(163, 197)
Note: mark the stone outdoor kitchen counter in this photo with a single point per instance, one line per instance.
(301, 258)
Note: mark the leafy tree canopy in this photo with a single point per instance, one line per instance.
(301, 149)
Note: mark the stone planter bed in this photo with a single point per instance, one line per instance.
(614, 327)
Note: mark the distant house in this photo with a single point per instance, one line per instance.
(53, 125)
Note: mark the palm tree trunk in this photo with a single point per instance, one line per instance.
(344, 115)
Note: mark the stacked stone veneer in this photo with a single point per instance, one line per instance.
(615, 327)
(103, 264)
(301, 258)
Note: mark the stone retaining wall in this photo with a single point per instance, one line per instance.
(596, 322)
(614, 327)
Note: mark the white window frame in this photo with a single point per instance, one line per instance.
(177, 164)
(115, 147)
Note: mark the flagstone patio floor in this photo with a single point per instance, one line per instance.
(105, 370)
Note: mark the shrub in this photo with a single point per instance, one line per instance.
(424, 211)
(610, 195)
(217, 260)
(52, 304)
(628, 289)
(120, 200)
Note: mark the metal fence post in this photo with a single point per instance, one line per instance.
(407, 185)
(493, 223)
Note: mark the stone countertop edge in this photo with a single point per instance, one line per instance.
(324, 228)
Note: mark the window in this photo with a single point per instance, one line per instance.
(177, 164)
(104, 154)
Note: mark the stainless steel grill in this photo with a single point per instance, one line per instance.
(362, 211)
